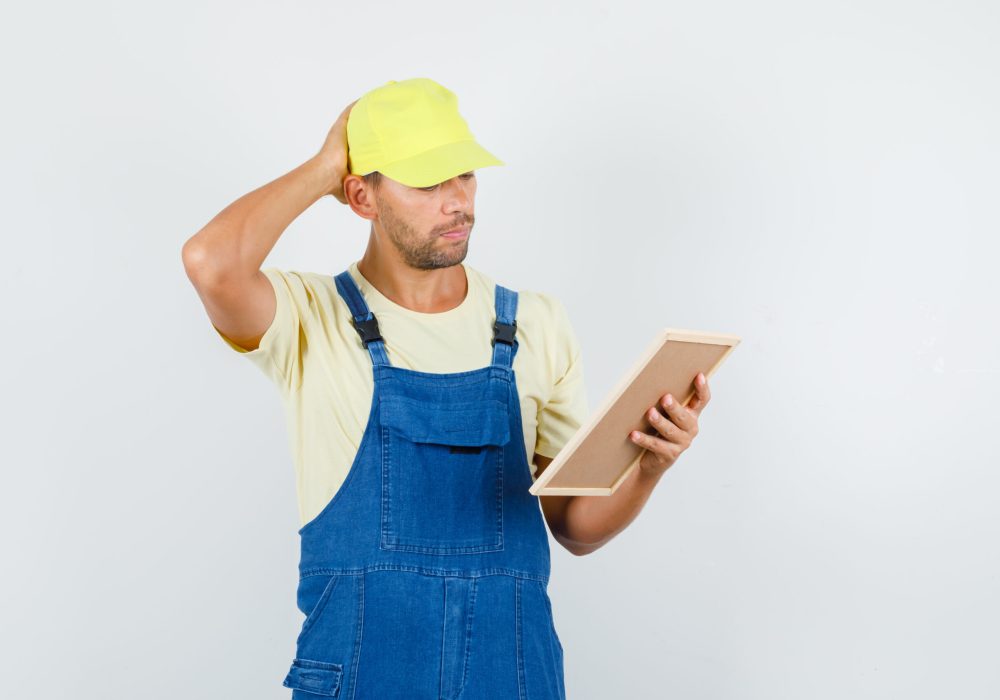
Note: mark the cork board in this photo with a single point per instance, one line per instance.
(600, 455)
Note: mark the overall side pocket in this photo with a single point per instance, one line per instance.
(313, 594)
(330, 641)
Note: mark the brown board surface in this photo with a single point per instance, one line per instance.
(600, 454)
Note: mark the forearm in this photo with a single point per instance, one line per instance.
(239, 238)
(591, 521)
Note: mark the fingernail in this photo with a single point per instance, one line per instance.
(701, 378)
(669, 401)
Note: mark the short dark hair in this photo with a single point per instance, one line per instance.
(374, 179)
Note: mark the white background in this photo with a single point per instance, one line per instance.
(818, 178)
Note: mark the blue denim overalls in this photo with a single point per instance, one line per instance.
(425, 576)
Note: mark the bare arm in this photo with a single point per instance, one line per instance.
(223, 259)
(583, 524)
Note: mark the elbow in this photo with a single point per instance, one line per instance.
(200, 264)
(195, 259)
(583, 550)
(578, 549)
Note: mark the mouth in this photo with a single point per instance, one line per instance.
(457, 234)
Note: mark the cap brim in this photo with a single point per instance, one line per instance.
(440, 164)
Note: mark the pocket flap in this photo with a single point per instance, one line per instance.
(317, 677)
(485, 422)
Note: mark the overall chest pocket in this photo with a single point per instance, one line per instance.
(442, 475)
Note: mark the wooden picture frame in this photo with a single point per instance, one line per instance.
(600, 455)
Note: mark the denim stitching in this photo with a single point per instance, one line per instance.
(389, 541)
(522, 691)
(500, 464)
(468, 634)
(318, 609)
(386, 526)
(404, 375)
(352, 681)
(444, 640)
(460, 573)
(304, 664)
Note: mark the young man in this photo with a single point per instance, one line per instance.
(416, 387)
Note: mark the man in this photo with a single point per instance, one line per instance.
(425, 562)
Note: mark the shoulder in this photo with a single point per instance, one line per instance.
(543, 320)
(299, 279)
(543, 326)
(303, 289)
(533, 306)
(542, 305)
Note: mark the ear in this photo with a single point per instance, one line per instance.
(360, 197)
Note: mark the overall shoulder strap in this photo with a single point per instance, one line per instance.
(505, 327)
(362, 318)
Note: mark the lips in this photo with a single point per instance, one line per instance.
(457, 233)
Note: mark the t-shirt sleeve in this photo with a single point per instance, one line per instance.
(566, 409)
(280, 350)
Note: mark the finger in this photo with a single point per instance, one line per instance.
(680, 415)
(662, 425)
(702, 395)
(654, 444)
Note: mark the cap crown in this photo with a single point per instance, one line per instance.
(411, 131)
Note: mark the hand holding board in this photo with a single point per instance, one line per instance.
(600, 455)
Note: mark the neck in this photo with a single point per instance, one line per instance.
(426, 291)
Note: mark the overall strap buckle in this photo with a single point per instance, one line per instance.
(504, 332)
(368, 330)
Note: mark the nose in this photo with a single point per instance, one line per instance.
(458, 194)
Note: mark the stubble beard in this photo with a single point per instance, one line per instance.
(416, 251)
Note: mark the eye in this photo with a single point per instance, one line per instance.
(464, 176)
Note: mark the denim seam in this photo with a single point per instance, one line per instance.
(501, 462)
(389, 541)
(444, 641)
(317, 609)
(446, 379)
(460, 573)
(522, 691)
(386, 532)
(468, 635)
(352, 681)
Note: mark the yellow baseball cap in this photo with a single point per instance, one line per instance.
(411, 131)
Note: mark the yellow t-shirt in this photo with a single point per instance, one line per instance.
(315, 357)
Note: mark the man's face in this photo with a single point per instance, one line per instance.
(415, 219)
